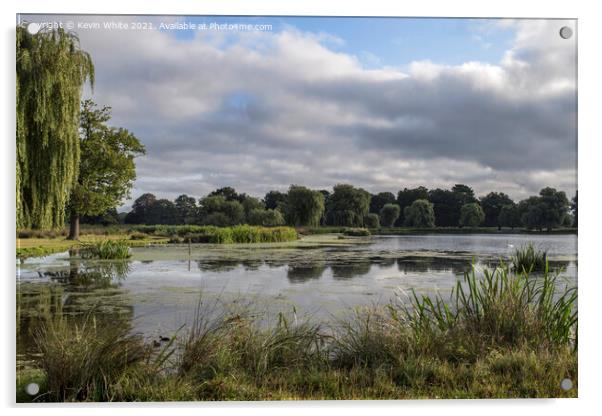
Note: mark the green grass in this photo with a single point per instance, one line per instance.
(36, 247)
(85, 361)
(107, 250)
(528, 259)
(500, 334)
(239, 234)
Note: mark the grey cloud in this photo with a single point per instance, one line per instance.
(264, 110)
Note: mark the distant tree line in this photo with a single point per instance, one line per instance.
(350, 206)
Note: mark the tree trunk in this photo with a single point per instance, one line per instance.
(74, 228)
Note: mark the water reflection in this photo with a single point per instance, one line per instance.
(349, 270)
(433, 264)
(82, 290)
(304, 272)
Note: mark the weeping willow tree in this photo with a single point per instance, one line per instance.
(51, 73)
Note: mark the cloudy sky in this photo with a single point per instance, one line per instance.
(379, 103)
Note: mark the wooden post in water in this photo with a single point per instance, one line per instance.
(189, 253)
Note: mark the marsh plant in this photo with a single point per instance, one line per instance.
(528, 259)
(107, 250)
(500, 334)
(239, 234)
(84, 361)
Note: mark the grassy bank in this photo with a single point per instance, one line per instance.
(41, 243)
(35, 247)
(500, 335)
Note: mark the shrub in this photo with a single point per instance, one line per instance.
(371, 221)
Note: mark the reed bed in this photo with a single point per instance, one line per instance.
(107, 250)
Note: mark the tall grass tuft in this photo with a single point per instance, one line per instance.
(527, 259)
(107, 250)
(498, 309)
(82, 362)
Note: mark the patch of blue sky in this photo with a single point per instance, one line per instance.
(384, 41)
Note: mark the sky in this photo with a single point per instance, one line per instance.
(381, 103)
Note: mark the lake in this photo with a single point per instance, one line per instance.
(158, 289)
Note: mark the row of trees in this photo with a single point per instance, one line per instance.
(349, 206)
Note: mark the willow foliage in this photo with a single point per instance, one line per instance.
(51, 73)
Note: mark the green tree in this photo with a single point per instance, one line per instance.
(228, 193)
(389, 214)
(530, 211)
(371, 220)
(574, 210)
(162, 211)
(471, 215)
(405, 198)
(556, 207)
(106, 170)
(446, 208)
(274, 199)
(347, 206)
(303, 206)
(265, 217)
(568, 220)
(378, 201)
(544, 211)
(464, 194)
(51, 72)
(492, 204)
(217, 210)
(186, 209)
(140, 209)
(109, 217)
(250, 203)
(509, 216)
(420, 214)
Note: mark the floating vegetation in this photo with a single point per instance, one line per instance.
(357, 232)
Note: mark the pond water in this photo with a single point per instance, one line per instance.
(159, 288)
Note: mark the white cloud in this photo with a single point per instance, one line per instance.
(259, 111)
